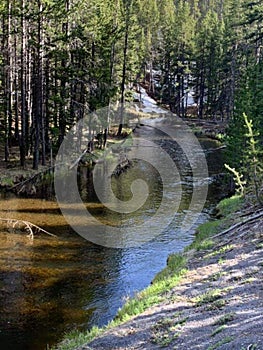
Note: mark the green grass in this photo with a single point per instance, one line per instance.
(230, 205)
(216, 276)
(225, 319)
(162, 339)
(6, 181)
(259, 246)
(168, 329)
(165, 280)
(209, 297)
(154, 294)
(212, 299)
(176, 264)
(249, 280)
(216, 305)
(221, 342)
(222, 322)
(218, 330)
(206, 231)
(221, 251)
(203, 239)
(75, 338)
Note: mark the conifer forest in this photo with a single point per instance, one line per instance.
(107, 206)
(61, 59)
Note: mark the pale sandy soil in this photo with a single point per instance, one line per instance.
(218, 305)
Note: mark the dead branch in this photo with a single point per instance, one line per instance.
(29, 226)
(78, 159)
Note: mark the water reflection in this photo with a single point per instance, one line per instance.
(49, 286)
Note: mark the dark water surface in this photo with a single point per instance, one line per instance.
(49, 286)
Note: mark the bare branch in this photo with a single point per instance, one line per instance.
(29, 226)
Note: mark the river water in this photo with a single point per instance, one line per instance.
(50, 286)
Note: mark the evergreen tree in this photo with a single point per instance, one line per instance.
(60, 59)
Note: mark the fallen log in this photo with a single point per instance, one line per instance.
(33, 177)
(241, 223)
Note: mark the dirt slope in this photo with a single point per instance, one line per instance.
(219, 304)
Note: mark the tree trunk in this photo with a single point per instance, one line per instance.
(38, 87)
(201, 88)
(22, 137)
(7, 79)
(124, 68)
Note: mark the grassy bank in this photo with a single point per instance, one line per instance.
(165, 280)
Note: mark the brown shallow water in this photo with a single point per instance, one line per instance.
(45, 284)
(49, 286)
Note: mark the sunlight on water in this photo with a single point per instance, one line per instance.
(50, 285)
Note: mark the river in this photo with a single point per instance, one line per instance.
(50, 286)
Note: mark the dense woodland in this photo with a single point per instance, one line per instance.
(61, 59)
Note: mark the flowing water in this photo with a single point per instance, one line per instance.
(49, 286)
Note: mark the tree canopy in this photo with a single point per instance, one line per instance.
(61, 59)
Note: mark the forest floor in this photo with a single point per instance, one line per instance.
(217, 305)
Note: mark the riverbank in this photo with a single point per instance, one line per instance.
(25, 180)
(28, 182)
(208, 297)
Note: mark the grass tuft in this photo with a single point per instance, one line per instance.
(225, 319)
(218, 330)
(220, 343)
(209, 297)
